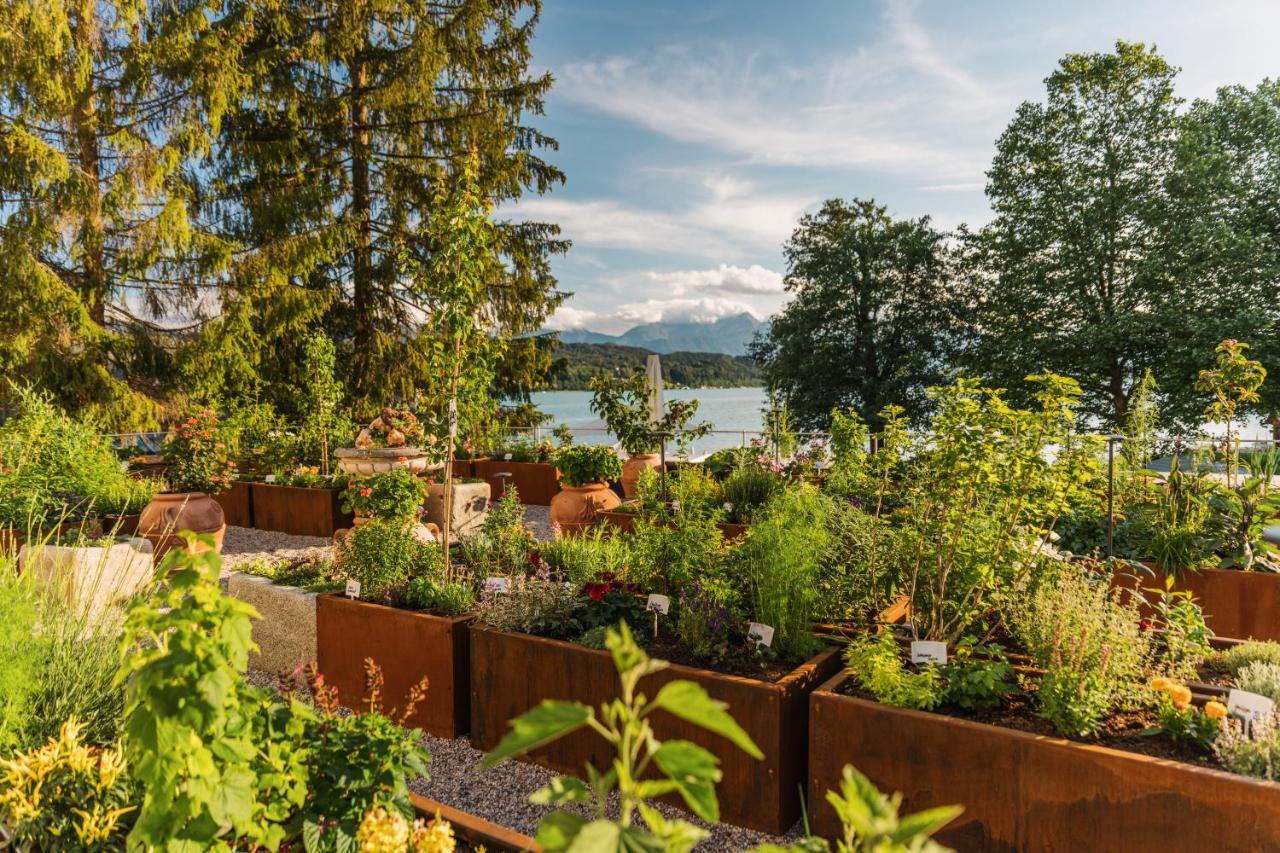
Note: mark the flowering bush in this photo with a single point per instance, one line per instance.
(198, 456)
(607, 600)
(392, 495)
(387, 831)
(1181, 720)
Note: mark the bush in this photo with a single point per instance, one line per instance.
(1262, 678)
(1254, 754)
(708, 616)
(1235, 659)
(876, 664)
(128, 497)
(198, 455)
(577, 559)
(503, 545)
(582, 464)
(533, 605)
(747, 489)
(392, 495)
(670, 555)
(386, 554)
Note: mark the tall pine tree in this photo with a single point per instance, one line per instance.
(326, 180)
(104, 104)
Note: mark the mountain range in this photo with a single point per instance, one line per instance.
(728, 335)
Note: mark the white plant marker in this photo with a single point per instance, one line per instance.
(928, 651)
(762, 634)
(497, 585)
(353, 589)
(658, 604)
(1249, 707)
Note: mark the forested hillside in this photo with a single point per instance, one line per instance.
(575, 364)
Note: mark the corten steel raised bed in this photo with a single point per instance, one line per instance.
(1243, 605)
(474, 830)
(537, 482)
(237, 504)
(407, 646)
(298, 510)
(1030, 792)
(511, 673)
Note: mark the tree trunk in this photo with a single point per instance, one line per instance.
(1119, 396)
(85, 120)
(361, 212)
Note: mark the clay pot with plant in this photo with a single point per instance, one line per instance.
(585, 473)
(200, 466)
(624, 404)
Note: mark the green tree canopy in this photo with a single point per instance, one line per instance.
(869, 321)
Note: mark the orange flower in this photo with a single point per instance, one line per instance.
(1161, 683)
(1181, 696)
(1215, 710)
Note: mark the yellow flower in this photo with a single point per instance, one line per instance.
(433, 837)
(1161, 683)
(1215, 710)
(1181, 696)
(383, 831)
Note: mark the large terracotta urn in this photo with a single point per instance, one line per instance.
(576, 508)
(631, 469)
(172, 512)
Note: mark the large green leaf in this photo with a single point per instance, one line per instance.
(695, 772)
(676, 836)
(563, 789)
(690, 702)
(925, 823)
(599, 836)
(557, 830)
(540, 725)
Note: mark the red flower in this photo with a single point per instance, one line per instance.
(1144, 624)
(364, 493)
(597, 591)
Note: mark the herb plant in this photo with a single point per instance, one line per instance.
(584, 464)
(876, 663)
(386, 554)
(392, 495)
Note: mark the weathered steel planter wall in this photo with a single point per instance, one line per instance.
(299, 511)
(407, 646)
(511, 673)
(1242, 605)
(1028, 792)
(537, 482)
(237, 504)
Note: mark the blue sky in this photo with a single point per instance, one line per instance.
(695, 134)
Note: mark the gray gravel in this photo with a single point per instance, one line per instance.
(245, 544)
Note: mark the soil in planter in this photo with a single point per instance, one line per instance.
(1121, 730)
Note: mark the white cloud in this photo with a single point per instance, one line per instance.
(752, 280)
(706, 309)
(901, 103)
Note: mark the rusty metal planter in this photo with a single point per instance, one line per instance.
(1029, 792)
(237, 503)
(536, 482)
(407, 645)
(511, 673)
(297, 510)
(1240, 605)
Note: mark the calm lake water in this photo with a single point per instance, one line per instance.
(732, 411)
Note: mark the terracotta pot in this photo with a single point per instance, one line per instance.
(631, 469)
(171, 512)
(576, 508)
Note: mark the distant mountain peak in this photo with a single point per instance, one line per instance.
(728, 335)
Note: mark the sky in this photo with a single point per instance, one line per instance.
(696, 133)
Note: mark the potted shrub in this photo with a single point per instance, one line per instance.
(303, 502)
(624, 404)
(585, 472)
(394, 439)
(199, 467)
(409, 615)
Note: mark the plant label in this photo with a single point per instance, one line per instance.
(270, 478)
(453, 417)
(1249, 707)
(727, 506)
(762, 634)
(659, 603)
(675, 505)
(496, 585)
(506, 457)
(353, 589)
(928, 651)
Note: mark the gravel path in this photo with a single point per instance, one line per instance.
(245, 544)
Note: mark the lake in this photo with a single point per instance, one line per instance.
(732, 412)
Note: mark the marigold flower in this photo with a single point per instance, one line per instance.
(1215, 710)
(1161, 683)
(1181, 696)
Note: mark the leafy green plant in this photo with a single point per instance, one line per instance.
(645, 768)
(1262, 678)
(876, 665)
(1179, 720)
(606, 600)
(977, 675)
(780, 562)
(66, 794)
(583, 464)
(391, 495)
(579, 558)
(128, 497)
(386, 554)
(748, 488)
(667, 555)
(532, 605)
(623, 403)
(503, 544)
(441, 597)
(1255, 753)
(708, 617)
(323, 420)
(1233, 383)
(198, 455)
(1236, 658)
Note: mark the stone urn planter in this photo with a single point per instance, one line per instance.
(469, 506)
(576, 508)
(631, 469)
(378, 460)
(90, 578)
(172, 512)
